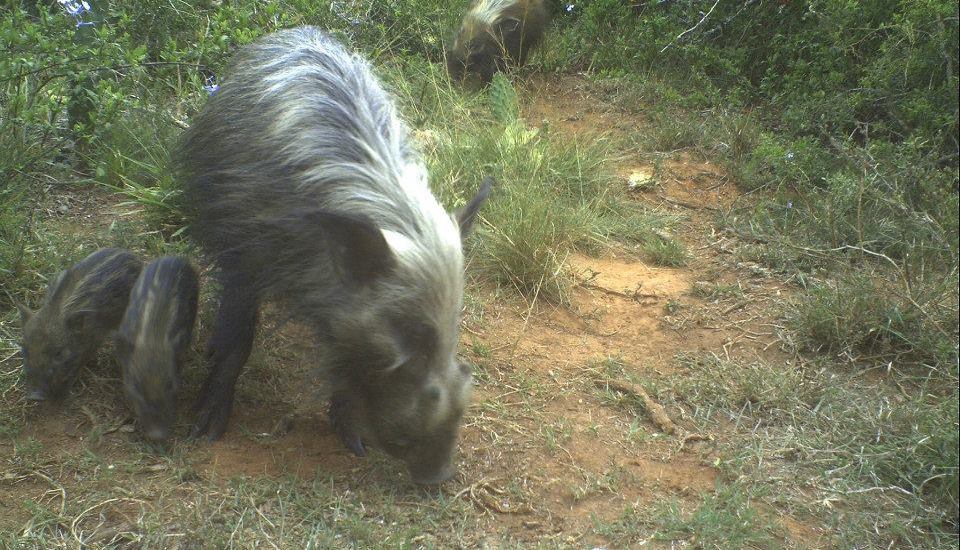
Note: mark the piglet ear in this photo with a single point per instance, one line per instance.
(25, 313)
(358, 245)
(468, 213)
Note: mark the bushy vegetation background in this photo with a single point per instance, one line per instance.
(838, 118)
(844, 114)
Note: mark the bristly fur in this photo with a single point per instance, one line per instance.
(304, 186)
(490, 12)
(153, 338)
(163, 303)
(84, 287)
(329, 140)
(82, 306)
(493, 34)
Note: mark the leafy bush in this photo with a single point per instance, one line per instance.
(891, 199)
(877, 71)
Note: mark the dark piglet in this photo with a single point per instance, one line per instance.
(305, 188)
(153, 338)
(83, 305)
(493, 35)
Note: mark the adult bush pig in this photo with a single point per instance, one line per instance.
(304, 187)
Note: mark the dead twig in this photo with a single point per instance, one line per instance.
(733, 308)
(486, 495)
(688, 205)
(691, 29)
(73, 524)
(655, 410)
(692, 437)
(91, 417)
(634, 296)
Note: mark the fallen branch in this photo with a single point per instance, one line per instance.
(655, 410)
(692, 437)
(688, 205)
(733, 308)
(483, 494)
(635, 295)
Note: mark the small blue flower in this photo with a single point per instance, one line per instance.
(789, 155)
(76, 9)
(569, 7)
(789, 205)
(211, 85)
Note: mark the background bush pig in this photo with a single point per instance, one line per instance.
(493, 34)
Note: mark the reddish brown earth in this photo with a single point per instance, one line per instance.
(538, 367)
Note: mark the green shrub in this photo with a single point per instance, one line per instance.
(904, 324)
(898, 203)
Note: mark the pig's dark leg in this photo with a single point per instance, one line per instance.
(227, 351)
(341, 420)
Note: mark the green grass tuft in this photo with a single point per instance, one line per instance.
(664, 252)
(863, 316)
(724, 519)
(555, 195)
(136, 163)
(812, 427)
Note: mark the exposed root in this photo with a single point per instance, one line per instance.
(284, 425)
(635, 295)
(654, 410)
(487, 496)
(692, 437)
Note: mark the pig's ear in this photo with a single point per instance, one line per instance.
(468, 213)
(359, 246)
(25, 313)
(511, 24)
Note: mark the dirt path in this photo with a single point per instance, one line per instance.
(548, 448)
